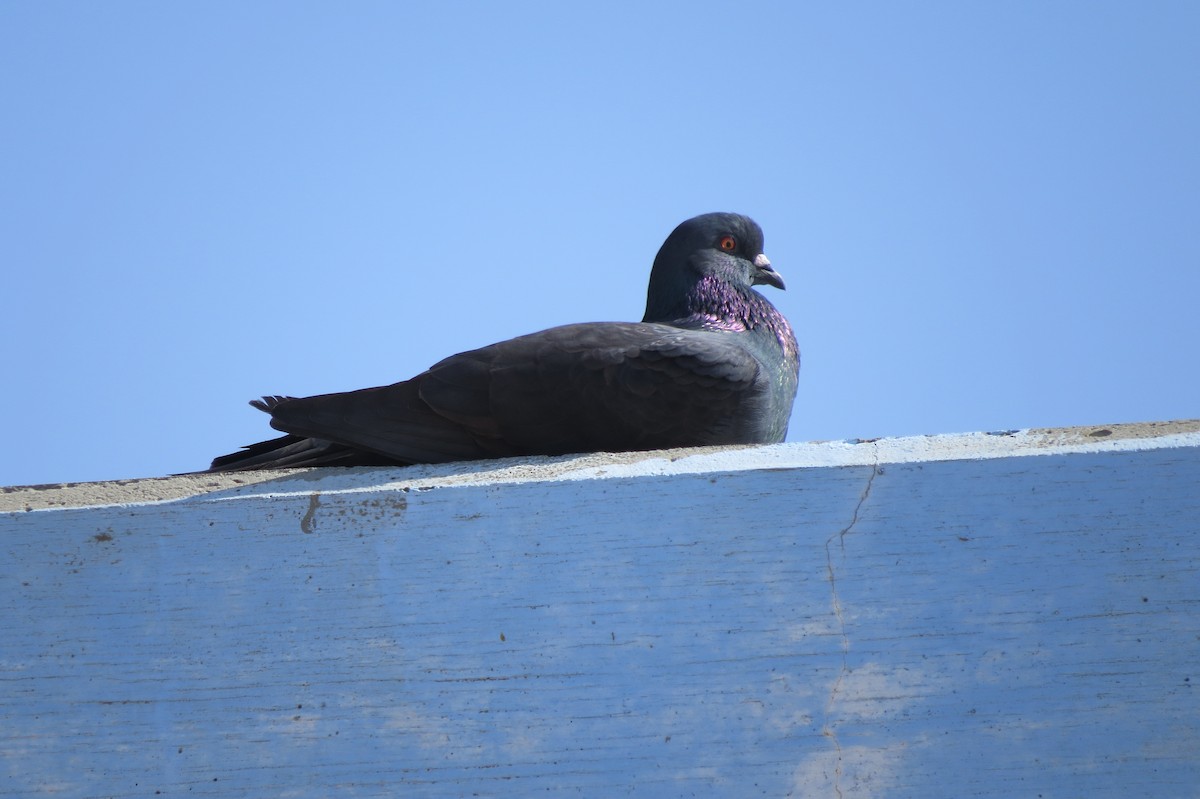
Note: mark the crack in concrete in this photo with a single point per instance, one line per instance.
(828, 730)
(308, 524)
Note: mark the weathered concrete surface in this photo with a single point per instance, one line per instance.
(980, 615)
(857, 452)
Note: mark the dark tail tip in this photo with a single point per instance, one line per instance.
(267, 404)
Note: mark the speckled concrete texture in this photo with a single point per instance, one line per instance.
(852, 452)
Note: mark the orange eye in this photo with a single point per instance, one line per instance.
(728, 243)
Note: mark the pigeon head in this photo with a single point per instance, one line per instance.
(707, 268)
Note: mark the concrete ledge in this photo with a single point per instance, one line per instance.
(977, 615)
(855, 452)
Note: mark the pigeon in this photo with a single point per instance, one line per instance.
(712, 362)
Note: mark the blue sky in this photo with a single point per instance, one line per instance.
(988, 215)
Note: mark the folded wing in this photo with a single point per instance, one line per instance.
(578, 388)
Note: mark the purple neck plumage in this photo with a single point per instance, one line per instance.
(712, 304)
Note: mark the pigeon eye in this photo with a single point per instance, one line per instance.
(728, 243)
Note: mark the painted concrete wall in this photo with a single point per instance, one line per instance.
(1006, 615)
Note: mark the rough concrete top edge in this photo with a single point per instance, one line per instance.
(814, 454)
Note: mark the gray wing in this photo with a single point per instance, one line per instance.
(578, 388)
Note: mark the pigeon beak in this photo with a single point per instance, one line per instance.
(763, 273)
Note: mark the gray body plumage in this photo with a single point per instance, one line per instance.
(712, 362)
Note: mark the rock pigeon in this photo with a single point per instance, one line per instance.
(711, 362)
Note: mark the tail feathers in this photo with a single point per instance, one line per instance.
(292, 451)
(267, 404)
